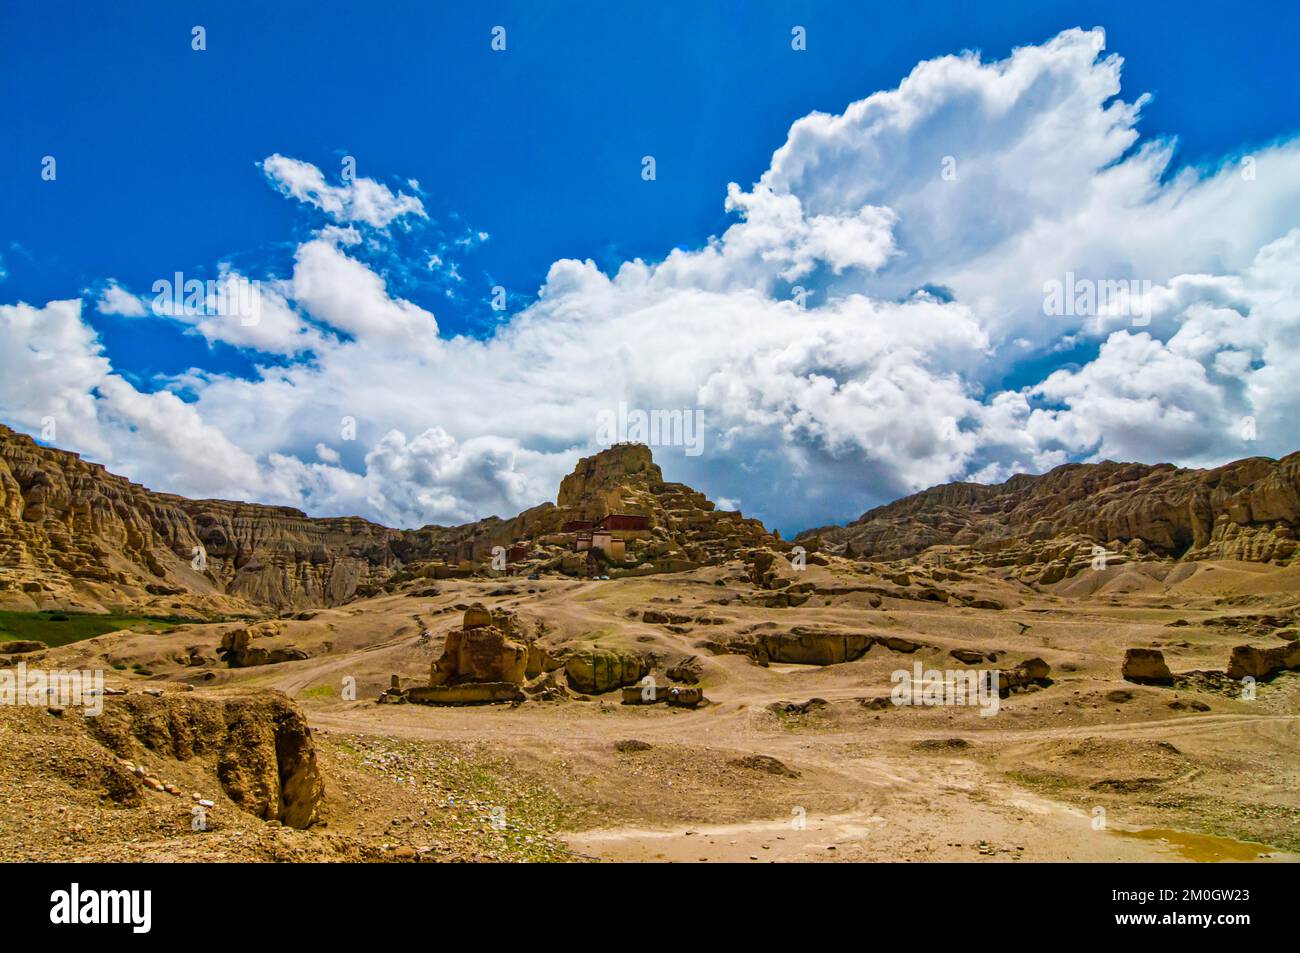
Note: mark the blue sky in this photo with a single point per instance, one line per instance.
(538, 148)
(541, 148)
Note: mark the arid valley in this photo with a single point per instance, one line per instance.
(632, 674)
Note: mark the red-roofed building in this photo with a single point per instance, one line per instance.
(625, 522)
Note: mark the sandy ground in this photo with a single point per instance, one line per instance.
(1090, 768)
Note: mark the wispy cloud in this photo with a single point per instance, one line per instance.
(359, 200)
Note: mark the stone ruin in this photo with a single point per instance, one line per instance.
(1263, 664)
(1147, 666)
(486, 660)
(482, 651)
(490, 659)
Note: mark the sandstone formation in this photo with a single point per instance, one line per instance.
(487, 660)
(595, 671)
(1146, 666)
(1246, 510)
(259, 644)
(73, 535)
(1263, 664)
(480, 651)
(259, 744)
(805, 645)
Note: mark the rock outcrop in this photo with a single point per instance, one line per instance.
(1247, 510)
(684, 528)
(595, 671)
(259, 745)
(480, 651)
(1263, 664)
(805, 645)
(1146, 667)
(259, 644)
(21, 646)
(1030, 672)
(73, 535)
(487, 660)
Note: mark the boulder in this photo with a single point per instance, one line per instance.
(644, 694)
(808, 646)
(681, 696)
(595, 671)
(1031, 672)
(686, 670)
(1035, 670)
(476, 616)
(1146, 667)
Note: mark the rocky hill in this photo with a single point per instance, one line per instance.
(1246, 510)
(684, 528)
(74, 536)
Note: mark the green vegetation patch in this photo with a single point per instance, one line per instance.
(63, 628)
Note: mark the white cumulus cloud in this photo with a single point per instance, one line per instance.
(922, 224)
